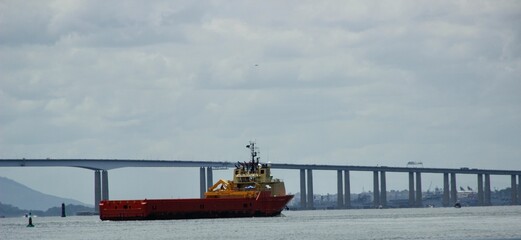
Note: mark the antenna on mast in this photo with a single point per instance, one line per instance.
(254, 154)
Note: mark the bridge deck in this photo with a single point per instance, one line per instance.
(108, 164)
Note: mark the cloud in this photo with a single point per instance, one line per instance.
(334, 83)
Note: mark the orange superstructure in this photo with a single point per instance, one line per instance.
(252, 192)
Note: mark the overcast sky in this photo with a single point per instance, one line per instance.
(321, 82)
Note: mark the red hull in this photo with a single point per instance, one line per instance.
(264, 205)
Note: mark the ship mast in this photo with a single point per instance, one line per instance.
(254, 154)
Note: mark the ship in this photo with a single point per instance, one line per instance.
(253, 192)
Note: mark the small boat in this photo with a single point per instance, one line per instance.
(253, 192)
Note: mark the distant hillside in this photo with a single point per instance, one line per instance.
(23, 197)
(7, 210)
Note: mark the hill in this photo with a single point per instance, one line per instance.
(20, 196)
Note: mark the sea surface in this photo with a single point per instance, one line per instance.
(416, 223)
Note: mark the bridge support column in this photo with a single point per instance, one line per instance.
(513, 182)
(519, 189)
(340, 189)
(383, 190)
(446, 189)
(303, 189)
(202, 182)
(97, 190)
(376, 190)
(487, 190)
(481, 201)
(209, 177)
(453, 189)
(411, 190)
(105, 185)
(347, 189)
(419, 202)
(310, 189)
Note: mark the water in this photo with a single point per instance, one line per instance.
(425, 223)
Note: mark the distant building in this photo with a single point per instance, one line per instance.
(400, 199)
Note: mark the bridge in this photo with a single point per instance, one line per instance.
(102, 166)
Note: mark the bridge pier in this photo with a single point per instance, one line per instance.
(303, 197)
(310, 190)
(209, 177)
(487, 190)
(453, 189)
(411, 190)
(105, 185)
(376, 190)
(347, 189)
(343, 189)
(415, 195)
(519, 189)
(202, 182)
(383, 190)
(481, 198)
(446, 189)
(513, 188)
(419, 202)
(340, 189)
(97, 189)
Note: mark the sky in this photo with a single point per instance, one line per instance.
(373, 83)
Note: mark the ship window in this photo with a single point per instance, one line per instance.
(245, 205)
(262, 171)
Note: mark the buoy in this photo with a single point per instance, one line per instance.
(30, 221)
(63, 209)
